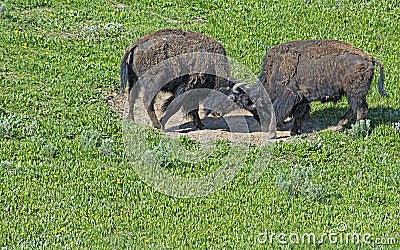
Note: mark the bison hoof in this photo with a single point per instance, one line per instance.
(157, 125)
(200, 126)
(295, 132)
(337, 128)
(216, 115)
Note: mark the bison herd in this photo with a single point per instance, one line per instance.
(293, 74)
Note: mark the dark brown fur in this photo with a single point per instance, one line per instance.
(152, 49)
(299, 72)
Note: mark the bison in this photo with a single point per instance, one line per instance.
(299, 72)
(178, 61)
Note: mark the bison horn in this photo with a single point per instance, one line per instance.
(237, 85)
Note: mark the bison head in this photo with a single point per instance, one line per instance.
(237, 99)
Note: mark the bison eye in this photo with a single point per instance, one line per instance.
(232, 97)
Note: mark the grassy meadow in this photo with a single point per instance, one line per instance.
(66, 181)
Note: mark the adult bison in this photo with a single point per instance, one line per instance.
(176, 62)
(299, 72)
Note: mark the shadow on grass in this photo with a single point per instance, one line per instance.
(221, 124)
(320, 119)
(323, 118)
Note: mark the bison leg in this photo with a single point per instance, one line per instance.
(192, 104)
(362, 109)
(191, 108)
(196, 119)
(346, 117)
(255, 115)
(133, 92)
(357, 105)
(279, 126)
(283, 106)
(131, 103)
(300, 113)
(152, 114)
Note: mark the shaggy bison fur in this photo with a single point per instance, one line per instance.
(187, 56)
(299, 72)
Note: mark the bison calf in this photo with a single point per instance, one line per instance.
(299, 72)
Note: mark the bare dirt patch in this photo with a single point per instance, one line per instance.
(179, 125)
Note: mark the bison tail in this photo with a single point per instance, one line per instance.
(123, 74)
(124, 71)
(381, 77)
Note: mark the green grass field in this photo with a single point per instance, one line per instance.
(67, 182)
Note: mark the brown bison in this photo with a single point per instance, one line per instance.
(178, 61)
(299, 72)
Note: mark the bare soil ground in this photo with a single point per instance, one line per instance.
(179, 125)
